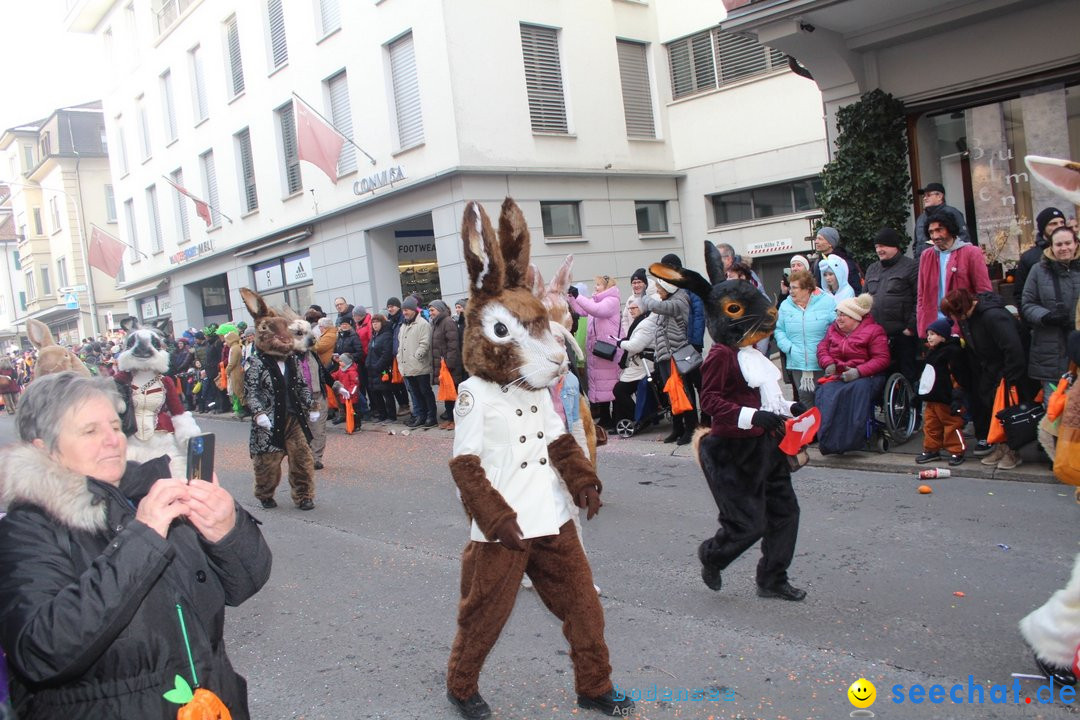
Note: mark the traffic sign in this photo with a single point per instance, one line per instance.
(71, 301)
(68, 289)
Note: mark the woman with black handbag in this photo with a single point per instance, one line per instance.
(601, 363)
(992, 340)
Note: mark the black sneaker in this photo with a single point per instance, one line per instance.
(927, 456)
(709, 573)
(306, 504)
(784, 591)
(474, 708)
(607, 704)
(1062, 675)
(413, 422)
(269, 503)
(982, 448)
(431, 422)
(955, 460)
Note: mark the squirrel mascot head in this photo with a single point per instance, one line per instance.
(736, 312)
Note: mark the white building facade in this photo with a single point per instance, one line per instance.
(567, 107)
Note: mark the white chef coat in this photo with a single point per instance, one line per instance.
(509, 430)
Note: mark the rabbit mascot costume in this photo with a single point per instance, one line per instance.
(154, 420)
(747, 472)
(511, 453)
(281, 406)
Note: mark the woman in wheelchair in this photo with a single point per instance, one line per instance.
(855, 355)
(637, 343)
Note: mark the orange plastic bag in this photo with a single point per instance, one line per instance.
(680, 403)
(395, 374)
(350, 418)
(1067, 451)
(997, 430)
(1056, 404)
(222, 380)
(447, 391)
(331, 397)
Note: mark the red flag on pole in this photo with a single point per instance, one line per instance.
(316, 140)
(202, 208)
(106, 253)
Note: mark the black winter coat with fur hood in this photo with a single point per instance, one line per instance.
(88, 595)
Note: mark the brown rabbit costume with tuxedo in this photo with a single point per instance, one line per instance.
(511, 453)
(281, 405)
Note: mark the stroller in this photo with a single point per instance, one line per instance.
(651, 404)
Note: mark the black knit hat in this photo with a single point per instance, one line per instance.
(888, 237)
(1043, 218)
(639, 274)
(672, 260)
(393, 302)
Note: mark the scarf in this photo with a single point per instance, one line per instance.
(760, 373)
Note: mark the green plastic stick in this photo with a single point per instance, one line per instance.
(187, 644)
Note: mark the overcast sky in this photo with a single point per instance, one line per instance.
(44, 67)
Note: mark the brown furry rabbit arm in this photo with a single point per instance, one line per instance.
(482, 502)
(576, 470)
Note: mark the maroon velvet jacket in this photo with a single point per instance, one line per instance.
(724, 393)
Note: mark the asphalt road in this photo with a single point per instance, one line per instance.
(358, 616)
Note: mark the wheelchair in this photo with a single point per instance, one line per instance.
(897, 417)
(651, 404)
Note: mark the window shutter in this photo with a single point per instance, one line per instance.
(247, 170)
(279, 50)
(153, 218)
(181, 206)
(329, 15)
(543, 78)
(210, 177)
(410, 121)
(129, 215)
(341, 117)
(293, 180)
(739, 57)
(637, 96)
(170, 106)
(236, 65)
(692, 66)
(199, 80)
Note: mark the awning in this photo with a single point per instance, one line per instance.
(147, 289)
(55, 314)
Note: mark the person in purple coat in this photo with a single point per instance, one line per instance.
(604, 309)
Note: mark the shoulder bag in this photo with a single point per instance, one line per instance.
(687, 359)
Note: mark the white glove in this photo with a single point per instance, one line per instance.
(313, 416)
(263, 421)
(343, 394)
(807, 383)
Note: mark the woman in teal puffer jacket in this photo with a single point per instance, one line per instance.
(802, 323)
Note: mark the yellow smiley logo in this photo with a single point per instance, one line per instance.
(862, 693)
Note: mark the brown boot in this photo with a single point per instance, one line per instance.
(1009, 459)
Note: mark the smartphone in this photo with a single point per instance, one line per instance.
(200, 458)
(787, 272)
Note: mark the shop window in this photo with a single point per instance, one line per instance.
(418, 264)
(766, 202)
(561, 219)
(978, 154)
(651, 216)
(285, 280)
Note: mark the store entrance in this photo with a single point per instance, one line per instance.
(418, 264)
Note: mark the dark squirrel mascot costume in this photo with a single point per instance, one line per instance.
(511, 453)
(281, 405)
(747, 472)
